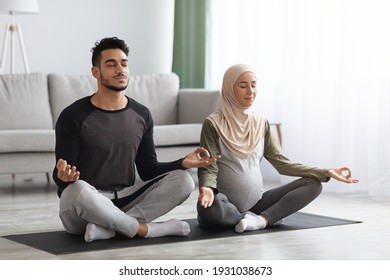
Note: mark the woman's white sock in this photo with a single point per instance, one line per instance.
(95, 232)
(250, 221)
(171, 227)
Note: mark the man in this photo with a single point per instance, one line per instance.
(100, 139)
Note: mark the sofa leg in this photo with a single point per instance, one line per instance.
(13, 190)
(48, 177)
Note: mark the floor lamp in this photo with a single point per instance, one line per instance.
(13, 7)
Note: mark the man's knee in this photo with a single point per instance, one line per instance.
(74, 188)
(72, 223)
(72, 192)
(70, 206)
(184, 181)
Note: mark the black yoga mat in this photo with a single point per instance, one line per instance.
(60, 242)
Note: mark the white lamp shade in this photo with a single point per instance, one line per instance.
(19, 6)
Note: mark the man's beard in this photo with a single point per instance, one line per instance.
(112, 87)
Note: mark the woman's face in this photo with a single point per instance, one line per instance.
(245, 89)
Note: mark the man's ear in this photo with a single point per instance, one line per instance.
(95, 72)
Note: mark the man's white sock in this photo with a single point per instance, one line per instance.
(250, 221)
(95, 232)
(171, 227)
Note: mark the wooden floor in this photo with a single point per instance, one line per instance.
(29, 205)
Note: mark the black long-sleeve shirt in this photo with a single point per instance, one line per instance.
(107, 146)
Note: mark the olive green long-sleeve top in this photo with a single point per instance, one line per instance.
(241, 179)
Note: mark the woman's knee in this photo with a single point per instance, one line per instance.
(221, 213)
(315, 186)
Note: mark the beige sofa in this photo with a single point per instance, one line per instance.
(31, 103)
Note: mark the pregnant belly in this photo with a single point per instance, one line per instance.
(244, 189)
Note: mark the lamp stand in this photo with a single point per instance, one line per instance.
(11, 28)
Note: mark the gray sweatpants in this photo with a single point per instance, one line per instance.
(123, 210)
(274, 205)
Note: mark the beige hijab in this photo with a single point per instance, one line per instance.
(240, 129)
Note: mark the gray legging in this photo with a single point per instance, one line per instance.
(275, 204)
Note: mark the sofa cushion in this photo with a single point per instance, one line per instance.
(65, 89)
(158, 92)
(24, 102)
(194, 105)
(28, 140)
(178, 134)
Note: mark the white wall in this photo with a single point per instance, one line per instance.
(60, 37)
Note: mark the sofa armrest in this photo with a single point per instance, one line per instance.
(194, 105)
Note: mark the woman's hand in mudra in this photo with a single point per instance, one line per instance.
(342, 174)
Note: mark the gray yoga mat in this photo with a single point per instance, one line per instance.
(60, 242)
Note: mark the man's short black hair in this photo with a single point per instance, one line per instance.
(106, 44)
